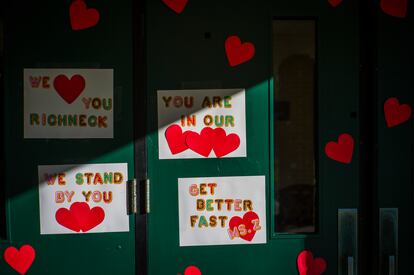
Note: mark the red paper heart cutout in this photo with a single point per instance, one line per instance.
(192, 270)
(69, 89)
(396, 8)
(20, 260)
(307, 265)
(335, 3)
(238, 53)
(394, 113)
(80, 217)
(81, 17)
(224, 145)
(176, 5)
(342, 150)
(249, 226)
(176, 139)
(201, 143)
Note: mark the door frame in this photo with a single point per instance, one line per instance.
(140, 133)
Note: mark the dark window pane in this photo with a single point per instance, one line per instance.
(294, 125)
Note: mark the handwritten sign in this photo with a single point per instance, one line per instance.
(68, 103)
(222, 211)
(201, 124)
(83, 198)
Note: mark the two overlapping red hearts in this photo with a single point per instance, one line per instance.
(80, 217)
(69, 89)
(20, 259)
(208, 140)
(81, 17)
(307, 265)
(246, 221)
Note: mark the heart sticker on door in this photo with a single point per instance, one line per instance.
(192, 270)
(81, 17)
(80, 217)
(238, 52)
(335, 3)
(69, 89)
(307, 265)
(245, 227)
(176, 5)
(396, 113)
(342, 150)
(176, 139)
(395, 8)
(20, 259)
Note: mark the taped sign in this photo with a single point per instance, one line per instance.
(201, 124)
(68, 103)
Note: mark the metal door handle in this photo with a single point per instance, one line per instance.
(347, 242)
(388, 241)
(350, 265)
(391, 265)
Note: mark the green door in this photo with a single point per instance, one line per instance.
(301, 94)
(39, 35)
(394, 203)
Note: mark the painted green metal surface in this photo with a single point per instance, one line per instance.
(395, 145)
(38, 35)
(188, 50)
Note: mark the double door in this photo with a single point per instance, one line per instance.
(319, 160)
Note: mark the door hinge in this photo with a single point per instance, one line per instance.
(138, 197)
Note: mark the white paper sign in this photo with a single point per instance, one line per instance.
(222, 211)
(201, 124)
(83, 198)
(68, 103)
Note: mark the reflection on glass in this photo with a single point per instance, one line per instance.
(294, 125)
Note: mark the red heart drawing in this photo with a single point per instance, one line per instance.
(176, 5)
(342, 150)
(201, 143)
(81, 17)
(396, 8)
(224, 144)
(238, 53)
(192, 270)
(395, 114)
(80, 217)
(69, 89)
(20, 260)
(307, 265)
(335, 3)
(247, 224)
(176, 139)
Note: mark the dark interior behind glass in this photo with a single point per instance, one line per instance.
(294, 53)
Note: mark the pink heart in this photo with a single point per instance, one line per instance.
(192, 270)
(307, 265)
(20, 260)
(176, 139)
